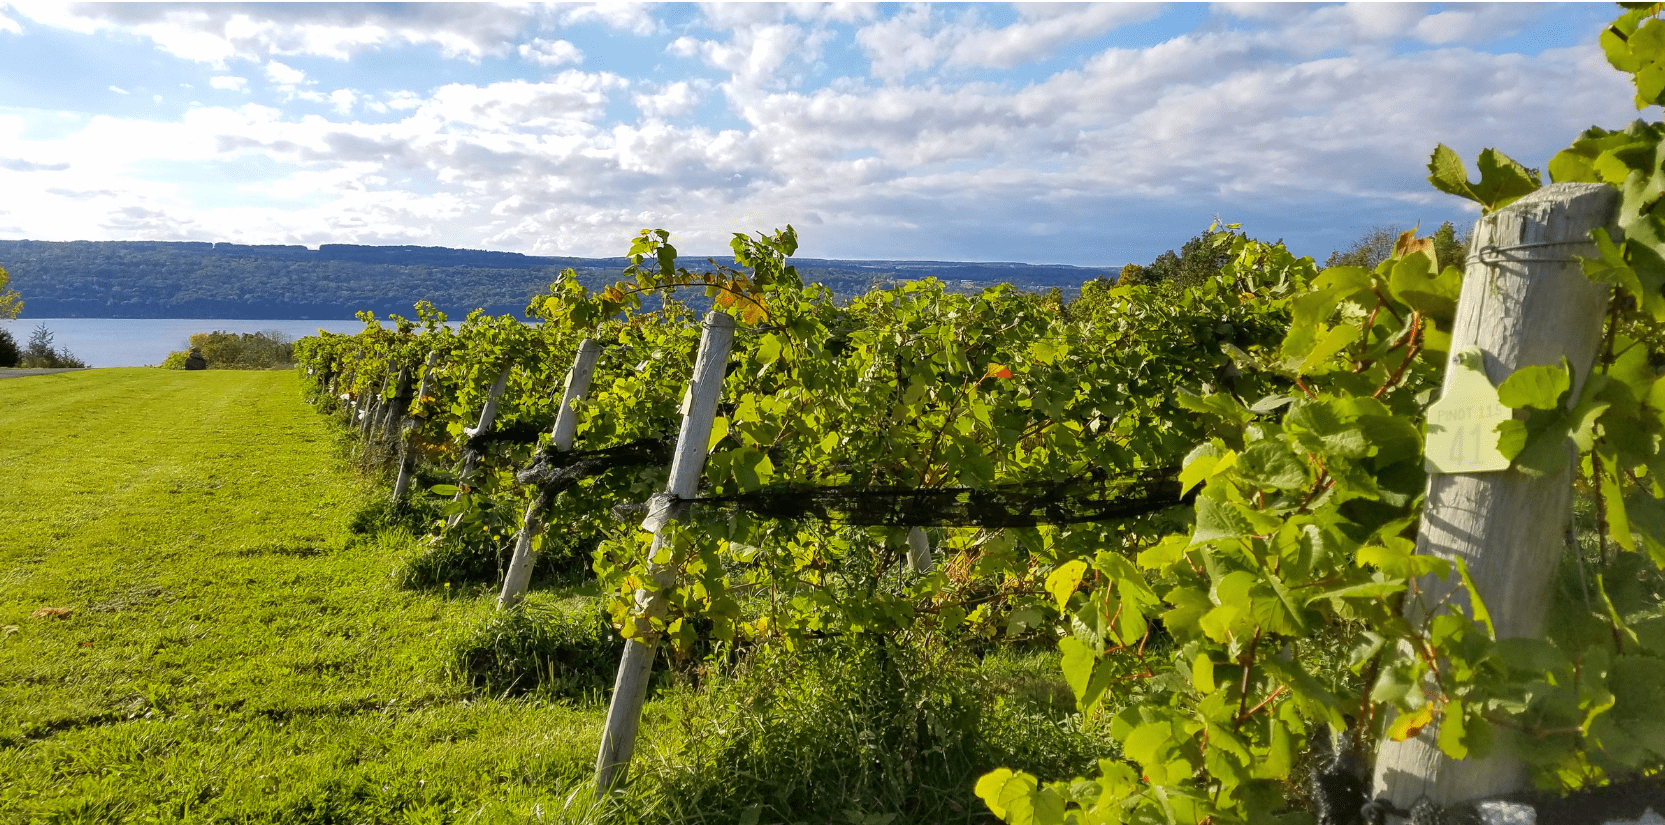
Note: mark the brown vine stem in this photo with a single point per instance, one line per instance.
(1367, 683)
(1282, 689)
(1319, 486)
(1410, 355)
(1599, 469)
(1248, 670)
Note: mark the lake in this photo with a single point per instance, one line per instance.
(140, 342)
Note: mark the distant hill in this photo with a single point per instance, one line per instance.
(158, 279)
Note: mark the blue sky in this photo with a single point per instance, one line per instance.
(1097, 134)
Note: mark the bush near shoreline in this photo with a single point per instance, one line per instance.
(236, 351)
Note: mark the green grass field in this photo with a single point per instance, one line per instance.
(233, 651)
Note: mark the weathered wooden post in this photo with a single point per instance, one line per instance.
(488, 414)
(407, 459)
(370, 414)
(1525, 301)
(699, 412)
(566, 426)
(394, 412)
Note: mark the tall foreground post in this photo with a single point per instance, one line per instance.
(566, 426)
(407, 459)
(1525, 301)
(699, 412)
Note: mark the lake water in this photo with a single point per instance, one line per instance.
(141, 342)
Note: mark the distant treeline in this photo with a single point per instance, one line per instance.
(156, 279)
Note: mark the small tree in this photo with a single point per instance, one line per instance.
(39, 348)
(1198, 260)
(9, 353)
(40, 354)
(1376, 246)
(10, 302)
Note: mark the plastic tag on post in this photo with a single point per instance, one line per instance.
(1462, 425)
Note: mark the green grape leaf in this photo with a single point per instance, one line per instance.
(1539, 386)
(1202, 673)
(1272, 464)
(1077, 663)
(1502, 180)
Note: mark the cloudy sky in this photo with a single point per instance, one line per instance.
(1086, 134)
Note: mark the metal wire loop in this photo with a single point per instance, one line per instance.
(1491, 254)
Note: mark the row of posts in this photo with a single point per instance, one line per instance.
(378, 413)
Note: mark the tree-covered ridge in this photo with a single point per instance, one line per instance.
(153, 279)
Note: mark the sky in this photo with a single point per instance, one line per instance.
(1095, 135)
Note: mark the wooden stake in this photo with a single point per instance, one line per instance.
(699, 412)
(1525, 301)
(488, 414)
(566, 426)
(407, 461)
(371, 412)
(395, 411)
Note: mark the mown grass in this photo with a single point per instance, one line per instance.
(238, 649)
(233, 652)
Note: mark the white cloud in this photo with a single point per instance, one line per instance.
(229, 83)
(900, 45)
(678, 98)
(118, 90)
(1046, 28)
(342, 100)
(631, 17)
(919, 39)
(9, 25)
(284, 75)
(216, 33)
(1479, 22)
(551, 52)
(755, 54)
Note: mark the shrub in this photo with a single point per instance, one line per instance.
(238, 351)
(9, 353)
(40, 354)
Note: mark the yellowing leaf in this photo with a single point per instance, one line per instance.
(1410, 724)
(1062, 582)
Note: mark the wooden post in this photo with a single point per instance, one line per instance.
(488, 414)
(371, 413)
(407, 461)
(395, 411)
(566, 426)
(699, 411)
(1525, 301)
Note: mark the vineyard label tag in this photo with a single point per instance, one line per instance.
(1462, 425)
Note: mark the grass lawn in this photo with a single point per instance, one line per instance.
(191, 630)
(232, 652)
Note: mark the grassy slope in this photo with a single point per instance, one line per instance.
(233, 653)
